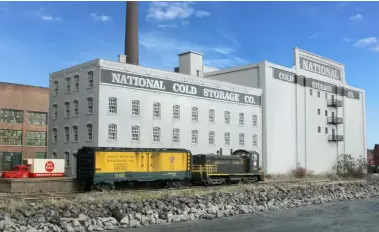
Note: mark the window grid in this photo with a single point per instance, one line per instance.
(112, 132)
(211, 137)
(75, 133)
(76, 108)
(255, 140)
(227, 138)
(67, 109)
(227, 117)
(37, 118)
(156, 110)
(195, 114)
(176, 112)
(36, 138)
(255, 120)
(135, 133)
(241, 119)
(241, 139)
(67, 158)
(211, 116)
(112, 105)
(156, 134)
(89, 132)
(68, 85)
(194, 136)
(90, 105)
(10, 137)
(176, 135)
(67, 134)
(11, 116)
(135, 108)
(76, 82)
(90, 79)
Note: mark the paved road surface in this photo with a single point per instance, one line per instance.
(353, 216)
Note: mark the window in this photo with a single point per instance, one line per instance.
(255, 120)
(326, 130)
(195, 114)
(10, 137)
(40, 155)
(67, 158)
(55, 111)
(211, 137)
(55, 135)
(135, 107)
(255, 140)
(135, 133)
(90, 79)
(90, 105)
(326, 113)
(318, 94)
(318, 111)
(241, 139)
(227, 117)
(176, 112)
(37, 118)
(68, 85)
(195, 135)
(11, 116)
(211, 116)
(227, 138)
(55, 88)
(156, 134)
(54, 155)
(75, 133)
(66, 134)
(76, 108)
(35, 138)
(241, 119)
(156, 110)
(326, 96)
(89, 132)
(76, 82)
(67, 110)
(333, 131)
(112, 132)
(176, 135)
(112, 105)
(310, 92)
(319, 129)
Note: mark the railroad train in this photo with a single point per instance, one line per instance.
(105, 168)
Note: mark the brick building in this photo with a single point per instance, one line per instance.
(23, 123)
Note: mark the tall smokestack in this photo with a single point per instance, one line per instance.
(131, 33)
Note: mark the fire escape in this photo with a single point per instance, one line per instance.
(334, 120)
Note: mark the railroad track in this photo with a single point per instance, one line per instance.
(35, 197)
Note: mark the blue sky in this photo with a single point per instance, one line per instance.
(37, 38)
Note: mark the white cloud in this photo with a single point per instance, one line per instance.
(314, 35)
(356, 17)
(201, 14)
(224, 50)
(376, 48)
(345, 39)
(102, 18)
(50, 18)
(168, 26)
(366, 42)
(43, 15)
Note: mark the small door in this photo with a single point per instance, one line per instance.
(145, 164)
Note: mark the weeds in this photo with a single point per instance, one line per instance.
(347, 166)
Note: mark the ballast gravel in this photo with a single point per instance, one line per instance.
(95, 214)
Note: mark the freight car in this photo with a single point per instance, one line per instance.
(104, 168)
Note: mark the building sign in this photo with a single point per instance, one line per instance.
(315, 84)
(153, 83)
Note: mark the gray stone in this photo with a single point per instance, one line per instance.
(134, 223)
(125, 221)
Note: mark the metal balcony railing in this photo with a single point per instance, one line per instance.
(335, 138)
(335, 120)
(335, 103)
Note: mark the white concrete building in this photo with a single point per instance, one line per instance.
(113, 104)
(306, 115)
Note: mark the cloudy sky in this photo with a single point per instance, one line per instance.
(37, 38)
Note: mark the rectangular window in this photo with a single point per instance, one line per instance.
(227, 117)
(11, 116)
(326, 96)
(195, 113)
(135, 133)
(68, 85)
(211, 116)
(333, 132)
(255, 140)
(112, 132)
(55, 135)
(55, 111)
(112, 105)
(211, 138)
(67, 110)
(156, 110)
(227, 139)
(55, 88)
(90, 79)
(318, 94)
(89, 132)
(76, 108)
(176, 135)
(35, 138)
(76, 82)
(135, 108)
(326, 113)
(10, 137)
(37, 118)
(156, 134)
(67, 158)
(75, 133)
(66, 134)
(255, 120)
(318, 111)
(194, 136)
(90, 105)
(241, 139)
(319, 129)
(326, 130)
(241, 119)
(176, 112)
(310, 92)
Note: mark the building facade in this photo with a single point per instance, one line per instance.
(113, 104)
(23, 123)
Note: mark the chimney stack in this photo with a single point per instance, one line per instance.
(131, 33)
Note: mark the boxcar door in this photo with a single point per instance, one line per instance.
(145, 164)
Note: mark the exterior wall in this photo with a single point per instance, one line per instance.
(26, 99)
(83, 118)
